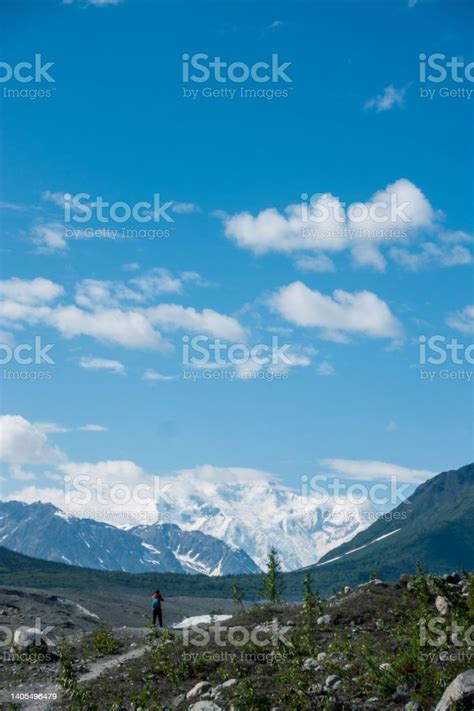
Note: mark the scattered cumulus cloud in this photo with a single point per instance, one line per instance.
(325, 368)
(342, 313)
(389, 99)
(462, 320)
(113, 366)
(367, 470)
(153, 375)
(23, 443)
(323, 225)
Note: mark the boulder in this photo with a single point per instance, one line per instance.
(198, 690)
(332, 681)
(460, 690)
(442, 605)
(28, 637)
(204, 706)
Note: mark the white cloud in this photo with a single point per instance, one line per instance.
(54, 197)
(95, 3)
(95, 293)
(54, 428)
(322, 224)
(446, 255)
(130, 329)
(50, 427)
(154, 375)
(390, 98)
(275, 24)
(107, 317)
(342, 313)
(19, 474)
(132, 501)
(49, 237)
(366, 470)
(325, 368)
(131, 266)
(92, 428)
(158, 281)
(321, 263)
(113, 366)
(30, 291)
(462, 320)
(23, 443)
(207, 321)
(184, 208)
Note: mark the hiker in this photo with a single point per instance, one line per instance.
(156, 601)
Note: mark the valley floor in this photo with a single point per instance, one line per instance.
(362, 649)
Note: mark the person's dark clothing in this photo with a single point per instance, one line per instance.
(156, 601)
(157, 614)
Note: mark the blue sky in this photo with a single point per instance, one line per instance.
(117, 125)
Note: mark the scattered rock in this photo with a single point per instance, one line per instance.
(386, 666)
(332, 680)
(311, 663)
(460, 690)
(412, 706)
(205, 706)
(442, 605)
(321, 656)
(229, 683)
(324, 620)
(347, 589)
(201, 688)
(27, 637)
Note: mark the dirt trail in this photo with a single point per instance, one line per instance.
(51, 693)
(99, 667)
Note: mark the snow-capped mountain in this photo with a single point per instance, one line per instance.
(254, 514)
(44, 531)
(195, 551)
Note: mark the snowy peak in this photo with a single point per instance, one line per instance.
(44, 531)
